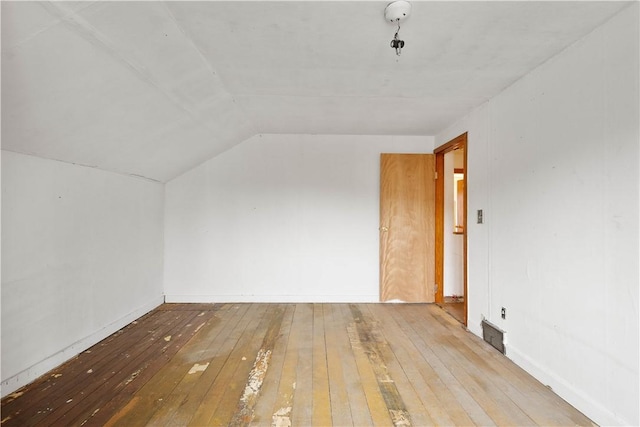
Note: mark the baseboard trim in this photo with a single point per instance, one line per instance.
(594, 410)
(30, 374)
(271, 298)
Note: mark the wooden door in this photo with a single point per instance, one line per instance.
(407, 227)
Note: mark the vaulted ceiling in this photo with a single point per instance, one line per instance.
(155, 88)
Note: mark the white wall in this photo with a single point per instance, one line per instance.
(280, 218)
(81, 257)
(553, 162)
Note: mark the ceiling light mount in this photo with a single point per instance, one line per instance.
(397, 11)
(394, 13)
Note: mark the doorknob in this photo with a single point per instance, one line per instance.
(385, 229)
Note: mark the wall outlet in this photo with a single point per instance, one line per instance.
(503, 313)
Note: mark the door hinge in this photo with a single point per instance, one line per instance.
(435, 288)
(436, 175)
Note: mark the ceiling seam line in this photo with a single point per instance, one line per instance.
(208, 64)
(85, 30)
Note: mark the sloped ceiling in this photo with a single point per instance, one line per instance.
(153, 88)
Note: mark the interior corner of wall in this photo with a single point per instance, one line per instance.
(15, 382)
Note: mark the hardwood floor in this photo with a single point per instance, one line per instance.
(455, 309)
(290, 365)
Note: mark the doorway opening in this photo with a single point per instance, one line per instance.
(451, 227)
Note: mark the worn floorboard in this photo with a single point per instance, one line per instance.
(286, 365)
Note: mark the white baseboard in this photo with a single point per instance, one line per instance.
(271, 298)
(598, 413)
(23, 378)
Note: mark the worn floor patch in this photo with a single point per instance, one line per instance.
(365, 336)
(282, 417)
(198, 368)
(256, 376)
(246, 405)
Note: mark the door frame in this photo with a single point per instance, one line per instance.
(459, 142)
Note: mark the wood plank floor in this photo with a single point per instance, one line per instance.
(289, 365)
(455, 309)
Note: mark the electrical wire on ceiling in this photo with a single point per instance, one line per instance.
(396, 43)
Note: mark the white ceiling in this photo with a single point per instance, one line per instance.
(155, 88)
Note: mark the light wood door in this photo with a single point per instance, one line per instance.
(407, 227)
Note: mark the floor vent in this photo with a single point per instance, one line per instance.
(493, 335)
